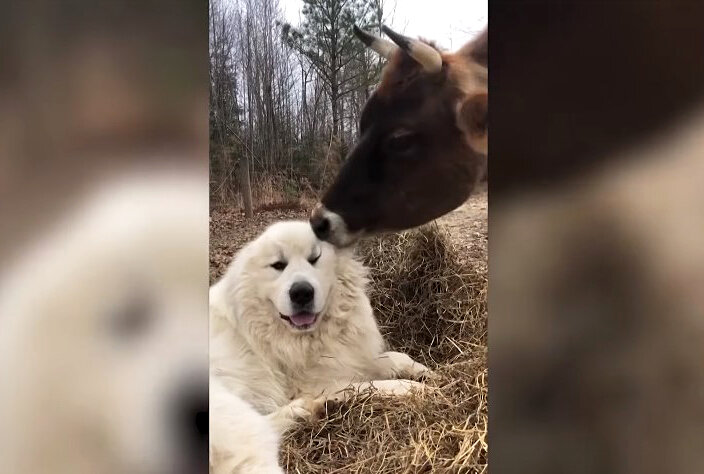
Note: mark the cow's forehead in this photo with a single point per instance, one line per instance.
(404, 104)
(400, 69)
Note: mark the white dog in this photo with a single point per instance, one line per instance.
(103, 335)
(291, 326)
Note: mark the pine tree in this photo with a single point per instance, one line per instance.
(326, 40)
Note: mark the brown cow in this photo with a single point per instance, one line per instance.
(422, 141)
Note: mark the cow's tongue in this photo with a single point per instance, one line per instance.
(301, 319)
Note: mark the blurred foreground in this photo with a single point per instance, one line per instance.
(597, 317)
(104, 335)
(104, 205)
(596, 333)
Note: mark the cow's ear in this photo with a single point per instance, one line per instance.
(472, 120)
(477, 50)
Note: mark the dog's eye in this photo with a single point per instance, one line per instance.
(131, 319)
(312, 260)
(279, 266)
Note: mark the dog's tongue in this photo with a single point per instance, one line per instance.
(301, 319)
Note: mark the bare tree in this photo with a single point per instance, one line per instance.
(325, 38)
(278, 115)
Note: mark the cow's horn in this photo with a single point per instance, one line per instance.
(423, 53)
(384, 48)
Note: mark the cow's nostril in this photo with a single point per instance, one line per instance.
(301, 293)
(321, 226)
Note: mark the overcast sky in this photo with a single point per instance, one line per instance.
(450, 23)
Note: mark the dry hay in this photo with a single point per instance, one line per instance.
(428, 303)
(432, 305)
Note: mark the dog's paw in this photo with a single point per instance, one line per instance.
(427, 375)
(420, 372)
(395, 387)
(300, 410)
(404, 366)
(307, 409)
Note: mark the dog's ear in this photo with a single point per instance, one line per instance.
(222, 307)
(472, 120)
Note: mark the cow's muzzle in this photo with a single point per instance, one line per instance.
(331, 227)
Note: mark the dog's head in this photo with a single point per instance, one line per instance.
(287, 274)
(104, 332)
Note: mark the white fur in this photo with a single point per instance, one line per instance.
(76, 396)
(282, 372)
(251, 440)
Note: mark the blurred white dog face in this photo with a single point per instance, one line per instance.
(293, 272)
(104, 331)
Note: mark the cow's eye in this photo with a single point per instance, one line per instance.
(401, 141)
(279, 265)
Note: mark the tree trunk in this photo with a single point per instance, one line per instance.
(245, 185)
(341, 119)
(334, 99)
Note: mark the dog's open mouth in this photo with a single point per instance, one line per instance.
(301, 320)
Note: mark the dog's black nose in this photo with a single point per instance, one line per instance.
(301, 293)
(190, 418)
(320, 223)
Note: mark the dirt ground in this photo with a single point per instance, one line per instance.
(230, 230)
(468, 226)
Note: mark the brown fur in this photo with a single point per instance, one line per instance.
(463, 72)
(387, 184)
(400, 70)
